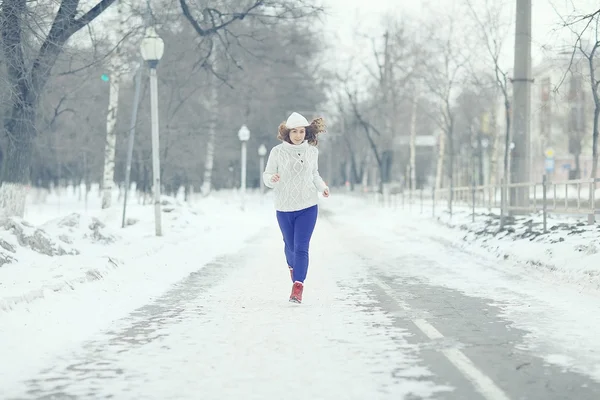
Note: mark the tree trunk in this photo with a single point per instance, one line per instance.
(480, 157)
(146, 183)
(413, 147)
(595, 86)
(354, 176)
(385, 141)
(111, 140)
(495, 151)
(451, 166)
(117, 61)
(375, 152)
(20, 131)
(594, 175)
(26, 84)
(440, 161)
(595, 144)
(507, 142)
(166, 146)
(213, 106)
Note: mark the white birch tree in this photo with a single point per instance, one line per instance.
(117, 61)
(213, 107)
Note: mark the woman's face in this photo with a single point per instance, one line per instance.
(297, 135)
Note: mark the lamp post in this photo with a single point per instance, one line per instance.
(262, 152)
(152, 49)
(244, 136)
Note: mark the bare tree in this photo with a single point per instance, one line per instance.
(69, 125)
(472, 105)
(116, 75)
(27, 79)
(380, 114)
(591, 57)
(217, 23)
(371, 132)
(493, 31)
(213, 104)
(588, 18)
(220, 19)
(354, 165)
(588, 48)
(397, 68)
(575, 123)
(446, 66)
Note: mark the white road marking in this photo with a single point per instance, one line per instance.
(484, 384)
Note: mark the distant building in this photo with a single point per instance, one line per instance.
(562, 112)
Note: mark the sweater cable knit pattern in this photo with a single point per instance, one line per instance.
(299, 179)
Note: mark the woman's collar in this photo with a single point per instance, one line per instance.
(302, 145)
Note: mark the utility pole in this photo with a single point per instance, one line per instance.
(521, 154)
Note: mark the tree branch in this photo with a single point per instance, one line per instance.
(63, 27)
(88, 17)
(211, 12)
(584, 17)
(577, 45)
(11, 15)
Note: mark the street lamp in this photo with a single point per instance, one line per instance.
(152, 49)
(244, 136)
(262, 152)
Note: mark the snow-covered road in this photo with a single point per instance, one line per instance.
(391, 311)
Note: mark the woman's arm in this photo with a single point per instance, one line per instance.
(317, 180)
(271, 169)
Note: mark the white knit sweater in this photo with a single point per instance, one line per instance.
(299, 182)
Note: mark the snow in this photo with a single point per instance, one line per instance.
(102, 244)
(141, 319)
(253, 348)
(202, 307)
(551, 291)
(146, 266)
(569, 253)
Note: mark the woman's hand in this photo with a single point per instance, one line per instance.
(275, 178)
(326, 193)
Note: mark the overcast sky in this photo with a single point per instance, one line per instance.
(346, 17)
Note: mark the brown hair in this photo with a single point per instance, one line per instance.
(316, 127)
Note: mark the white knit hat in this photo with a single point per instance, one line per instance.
(296, 120)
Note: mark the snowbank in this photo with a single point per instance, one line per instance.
(61, 252)
(569, 253)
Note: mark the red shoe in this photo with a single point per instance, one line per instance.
(296, 295)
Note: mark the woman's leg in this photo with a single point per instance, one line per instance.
(286, 225)
(303, 230)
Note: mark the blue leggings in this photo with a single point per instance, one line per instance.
(297, 228)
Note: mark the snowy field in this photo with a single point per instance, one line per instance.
(397, 306)
(67, 243)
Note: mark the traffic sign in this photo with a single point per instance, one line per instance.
(549, 164)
